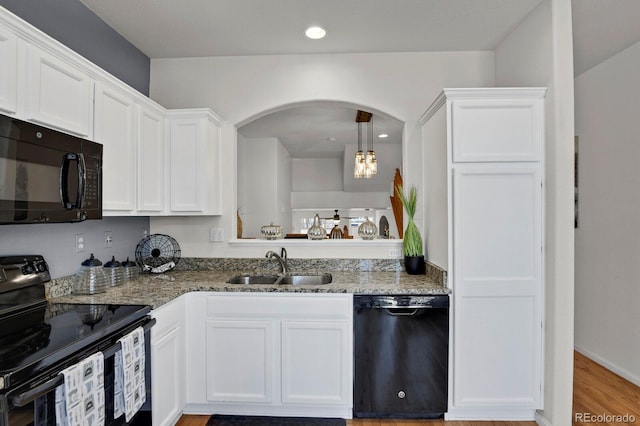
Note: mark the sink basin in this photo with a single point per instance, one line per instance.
(287, 279)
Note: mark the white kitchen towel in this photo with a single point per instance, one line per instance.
(80, 399)
(129, 386)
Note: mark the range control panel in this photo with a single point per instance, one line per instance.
(22, 270)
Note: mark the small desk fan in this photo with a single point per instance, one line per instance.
(157, 253)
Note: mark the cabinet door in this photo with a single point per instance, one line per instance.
(8, 72)
(165, 393)
(114, 128)
(151, 167)
(485, 130)
(316, 362)
(497, 273)
(240, 360)
(60, 95)
(186, 154)
(167, 363)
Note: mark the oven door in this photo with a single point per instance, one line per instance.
(34, 402)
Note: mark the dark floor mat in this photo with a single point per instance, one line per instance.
(220, 420)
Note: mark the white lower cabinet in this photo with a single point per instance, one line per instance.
(240, 357)
(168, 379)
(270, 354)
(314, 370)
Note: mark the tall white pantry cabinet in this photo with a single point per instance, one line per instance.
(491, 140)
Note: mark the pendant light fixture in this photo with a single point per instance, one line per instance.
(365, 165)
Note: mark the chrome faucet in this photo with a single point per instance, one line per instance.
(282, 259)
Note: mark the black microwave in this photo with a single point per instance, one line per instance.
(47, 176)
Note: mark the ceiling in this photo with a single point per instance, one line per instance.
(320, 129)
(192, 28)
(169, 28)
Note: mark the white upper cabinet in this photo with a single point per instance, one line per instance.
(115, 112)
(8, 72)
(150, 155)
(507, 127)
(155, 162)
(60, 94)
(194, 162)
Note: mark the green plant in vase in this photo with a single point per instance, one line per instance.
(412, 240)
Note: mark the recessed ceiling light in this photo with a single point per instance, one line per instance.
(331, 139)
(315, 32)
(383, 135)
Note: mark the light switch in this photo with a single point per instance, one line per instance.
(216, 235)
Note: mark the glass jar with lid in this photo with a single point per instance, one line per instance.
(91, 278)
(367, 229)
(317, 231)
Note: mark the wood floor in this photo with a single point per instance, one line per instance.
(596, 391)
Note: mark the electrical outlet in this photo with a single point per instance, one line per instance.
(216, 235)
(79, 243)
(394, 252)
(108, 239)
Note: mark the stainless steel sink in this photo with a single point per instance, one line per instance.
(279, 279)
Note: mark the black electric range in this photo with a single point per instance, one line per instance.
(39, 339)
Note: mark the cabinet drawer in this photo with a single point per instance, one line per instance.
(230, 305)
(168, 317)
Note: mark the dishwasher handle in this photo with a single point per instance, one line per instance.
(402, 302)
(403, 312)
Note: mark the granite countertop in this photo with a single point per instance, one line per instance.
(156, 290)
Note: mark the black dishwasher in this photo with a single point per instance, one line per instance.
(401, 356)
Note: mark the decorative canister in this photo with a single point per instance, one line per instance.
(367, 229)
(317, 231)
(114, 271)
(271, 232)
(130, 269)
(91, 278)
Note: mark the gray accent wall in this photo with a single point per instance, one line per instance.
(74, 25)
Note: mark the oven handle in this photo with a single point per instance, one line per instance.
(46, 387)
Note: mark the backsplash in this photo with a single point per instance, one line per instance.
(262, 264)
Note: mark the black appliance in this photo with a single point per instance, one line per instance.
(401, 356)
(46, 175)
(38, 340)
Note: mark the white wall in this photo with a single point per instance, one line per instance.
(241, 88)
(316, 174)
(264, 186)
(607, 248)
(539, 52)
(389, 155)
(436, 236)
